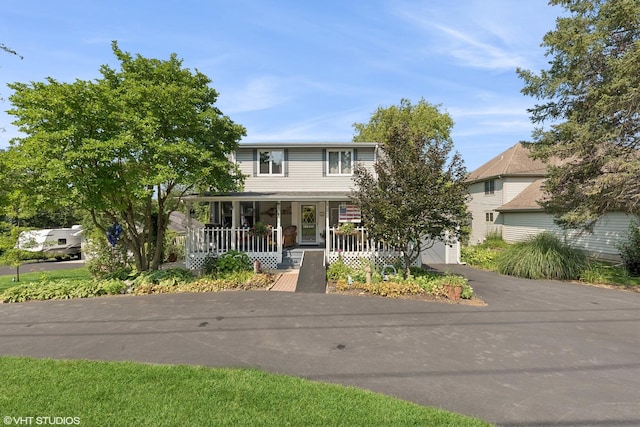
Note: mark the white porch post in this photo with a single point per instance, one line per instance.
(326, 230)
(235, 216)
(188, 241)
(279, 226)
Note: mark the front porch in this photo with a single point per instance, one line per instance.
(269, 226)
(270, 251)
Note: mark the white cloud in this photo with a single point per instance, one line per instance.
(469, 51)
(333, 127)
(259, 93)
(489, 35)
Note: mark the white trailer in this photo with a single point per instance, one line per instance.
(52, 242)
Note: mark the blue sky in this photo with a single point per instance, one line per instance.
(301, 70)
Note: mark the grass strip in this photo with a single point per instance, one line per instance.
(70, 274)
(133, 394)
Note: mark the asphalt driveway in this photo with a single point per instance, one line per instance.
(539, 354)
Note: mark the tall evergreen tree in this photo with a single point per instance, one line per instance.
(589, 110)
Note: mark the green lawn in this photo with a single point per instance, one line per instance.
(70, 274)
(132, 394)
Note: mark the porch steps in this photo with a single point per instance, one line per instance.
(291, 258)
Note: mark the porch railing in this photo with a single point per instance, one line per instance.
(356, 241)
(357, 245)
(203, 242)
(220, 240)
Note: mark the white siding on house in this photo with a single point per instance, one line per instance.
(607, 232)
(479, 205)
(305, 168)
(441, 253)
(513, 186)
(519, 226)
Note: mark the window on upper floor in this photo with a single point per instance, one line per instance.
(490, 186)
(340, 162)
(271, 162)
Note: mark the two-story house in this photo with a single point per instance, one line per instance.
(300, 191)
(505, 193)
(497, 183)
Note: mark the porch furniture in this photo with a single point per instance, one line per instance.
(289, 236)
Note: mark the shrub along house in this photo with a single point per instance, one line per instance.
(295, 197)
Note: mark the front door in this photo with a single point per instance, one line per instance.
(308, 216)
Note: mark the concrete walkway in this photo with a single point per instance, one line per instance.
(286, 282)
(539, 354)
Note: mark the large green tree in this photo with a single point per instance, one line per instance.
(588, 118)
(416, 193)
(422, 118)
(124, 147)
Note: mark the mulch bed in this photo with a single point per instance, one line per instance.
(475, 301)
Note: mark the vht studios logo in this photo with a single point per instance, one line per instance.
(41, 421)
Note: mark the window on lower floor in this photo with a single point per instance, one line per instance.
(488, 216)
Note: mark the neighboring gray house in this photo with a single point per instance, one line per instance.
(301, 191)
(496, 183)
(504, 199)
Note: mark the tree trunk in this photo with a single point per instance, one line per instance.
(159, 244)
(409, 256)
(407, 264)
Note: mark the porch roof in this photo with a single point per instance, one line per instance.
(288, 196)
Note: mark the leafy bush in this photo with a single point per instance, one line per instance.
(387, 289)
(168, 277)
(484, 255)
(542, 257)
(494, 241)
(437, 284)
(338, 270)
(229, 262)
(244, 280)
(103, 259)
(479, 256)
(232, 262)
(630, 250)
(174, 248)
(173, 280)
(420, 282)
(208, 267)
(62, 289)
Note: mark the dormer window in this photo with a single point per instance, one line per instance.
(271, 162)
(340, 162)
